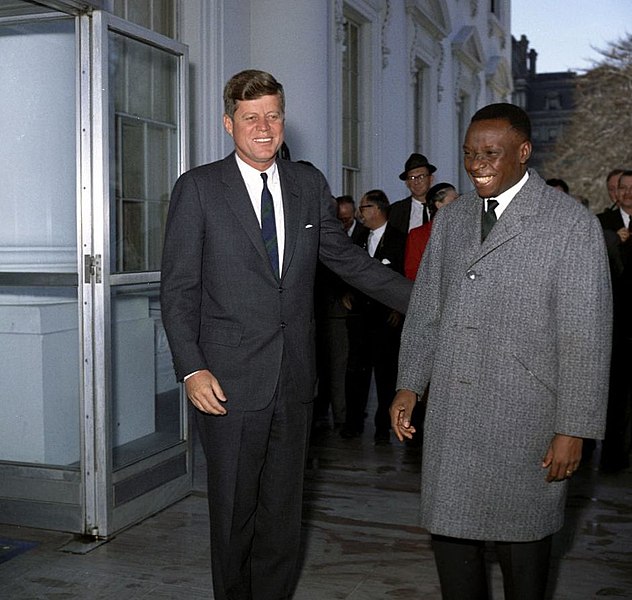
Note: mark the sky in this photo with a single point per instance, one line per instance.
(564, 32)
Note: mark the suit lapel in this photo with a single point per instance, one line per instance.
(292, 205)
(238, 200)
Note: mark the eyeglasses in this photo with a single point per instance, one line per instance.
(363, 206)
(416, 177)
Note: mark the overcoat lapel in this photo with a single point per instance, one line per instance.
(511, 223)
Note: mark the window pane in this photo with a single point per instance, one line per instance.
(146, 415)
(38, 227)
(144, 149)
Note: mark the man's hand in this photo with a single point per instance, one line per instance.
(563, 457)
(624, 234)
(394, 318)
(205, 392)
(401, 412)
(347, 300)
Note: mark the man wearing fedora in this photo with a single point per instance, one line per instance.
(412, 211)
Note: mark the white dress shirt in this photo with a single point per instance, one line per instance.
(375, 235)
(417, 211)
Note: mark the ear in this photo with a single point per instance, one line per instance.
(525, 152)
(228, 125)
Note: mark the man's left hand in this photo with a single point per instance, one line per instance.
(563, 457)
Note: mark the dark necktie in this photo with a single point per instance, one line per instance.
(424, 217)
(489, 218)
(268, 225)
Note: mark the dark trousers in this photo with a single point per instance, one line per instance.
(373, 349)
(615, 449)
(332, 350)
(255, 464)
(463, 574)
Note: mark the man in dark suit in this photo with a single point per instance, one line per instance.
(612, 184)
(242, 241)
(412, 212)
(375, 331)
(332, 345)
(617, 229)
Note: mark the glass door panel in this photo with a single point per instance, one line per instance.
(142, 112)
(39, 321)
(40, 317)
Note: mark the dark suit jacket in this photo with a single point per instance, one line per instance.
(390, 252)
(620, 258)
(222, 305)
(330, 289)
(399, 214)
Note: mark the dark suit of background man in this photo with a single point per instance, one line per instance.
(617, 226)
(374, 332)
(238, 312)
(332, 343)
(412, 211)
(510, 322)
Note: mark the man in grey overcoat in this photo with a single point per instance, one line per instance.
(512, 332)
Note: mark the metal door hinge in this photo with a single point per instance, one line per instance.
(92, 268)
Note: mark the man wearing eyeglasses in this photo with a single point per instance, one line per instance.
(375, 331)
(412, 211)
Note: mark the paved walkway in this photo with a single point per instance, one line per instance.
(361, 539)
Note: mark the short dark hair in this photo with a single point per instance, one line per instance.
(555, 182)
(517, 118)
(625, 173)
(345, 199)
(437, 193)
(613, 173)
(380, 199)
(250, 85)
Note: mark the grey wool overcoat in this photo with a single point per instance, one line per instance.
(514, 337)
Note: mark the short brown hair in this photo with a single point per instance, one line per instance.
(250, 85)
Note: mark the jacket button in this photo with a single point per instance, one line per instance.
(470, 274)
(283, 324)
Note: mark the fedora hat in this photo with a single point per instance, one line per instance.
(414, 162)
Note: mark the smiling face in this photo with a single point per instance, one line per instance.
(418, 181)
(257, 129)
(495, 156)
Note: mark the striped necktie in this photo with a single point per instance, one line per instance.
(268, 225)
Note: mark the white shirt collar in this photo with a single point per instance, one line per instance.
(508, 195)
(252, 175)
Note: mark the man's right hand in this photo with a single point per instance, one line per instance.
(401, 414)
(205, 392)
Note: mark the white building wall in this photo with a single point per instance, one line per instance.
(466, 50)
